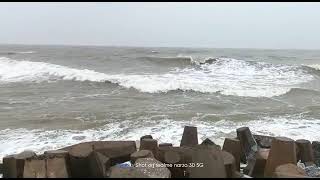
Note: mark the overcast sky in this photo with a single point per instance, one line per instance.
(220, 25)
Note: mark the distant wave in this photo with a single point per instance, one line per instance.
(314, 66)
(226, 76)
(13, 52)
(179, 60)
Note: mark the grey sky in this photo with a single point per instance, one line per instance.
(229, 25)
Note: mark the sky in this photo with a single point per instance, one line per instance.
(270, 25)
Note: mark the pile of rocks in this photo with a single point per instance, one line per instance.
(262, 156)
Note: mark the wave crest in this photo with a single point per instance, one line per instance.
(227, 76)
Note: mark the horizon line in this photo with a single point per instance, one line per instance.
(138, 46)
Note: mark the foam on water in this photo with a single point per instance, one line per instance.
(314, 66)
(227, 76)
(165, 130)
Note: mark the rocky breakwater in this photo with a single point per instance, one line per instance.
(244, 156)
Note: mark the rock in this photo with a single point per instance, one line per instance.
(190, 136)
(117, 151)
(208, 142)
(165, 144)
(263, 141)
(256, 165)
(99, 164)
(130, 172)
(316, 152)
(151, 145)
(248, 144)
(229, 164)
(207, 162)
(79, 160)
(35, 168)
(13, 165)
(312, 171)
(56, 153)
(146, 137)
(232, 146)
(57, 167)
(152, 168)
(140, 154)
(289, 170)
(283, 151)
(305, 150)
(173, 159)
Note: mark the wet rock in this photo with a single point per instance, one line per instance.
(289, 171)
(152, 168)
(79, 160)
(190, 136)
(263, 141)
(99, 164)
(146, 137)
(229, 164)
(140, 154)
(208, 142)
(13, 165)
(283, 151)
(256, 165)
(232, 146)
(165, 144)
(207, 163)
(248, 144)
(35, 168)
(316, 152)
(151, 145)
(305, 153)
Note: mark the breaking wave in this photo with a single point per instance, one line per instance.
(224, 75)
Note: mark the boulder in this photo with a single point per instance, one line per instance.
(35, 168)
(13, 165)
(229, 164)
(207, 162)
(165, 144)
(79, 160)
(305, 153)
(151, 145)
(232, 146)
(248, 144)
(140, 154)
(208, 142)
(152, 168)
(283, 151)
(263, 141)
(146, 137)
(190, 136)
(99, 164)
(289, 171)
(173, 158)
(57, 167)
(316, 152)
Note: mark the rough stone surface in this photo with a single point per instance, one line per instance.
(130, 172)
(232, 146)
(190, 136)
(165, 144)
(13, 165)
(229, 164)
(79, 160)
(263, 141)
(34, 168)
(99, 164)
(305, 153)
(151, 145)
(152, 168)
(316, 152)
(208, 142)
(283, 151)
(208, 163)
(146, 137)
(140, 154)
(248, 144)
(57, 167)
(289, 170)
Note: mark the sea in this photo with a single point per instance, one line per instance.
(52, 96)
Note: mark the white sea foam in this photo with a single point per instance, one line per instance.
(314, 66)
(165, 130)
(227, 76)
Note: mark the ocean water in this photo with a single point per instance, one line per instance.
(55, 96)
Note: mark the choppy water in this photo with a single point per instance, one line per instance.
(54, 96)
